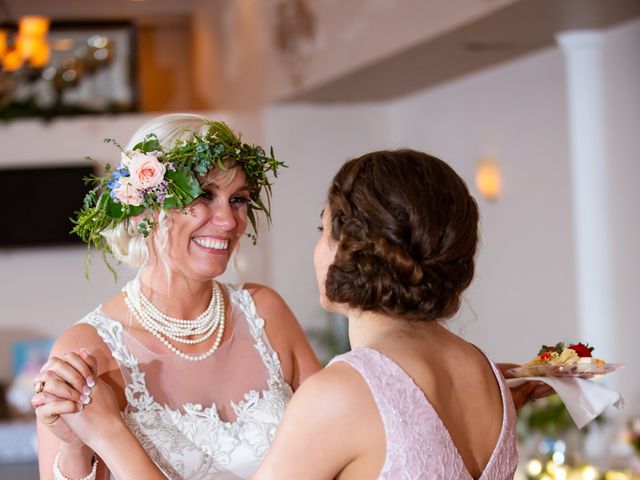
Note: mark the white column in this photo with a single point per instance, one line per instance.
(594, 277)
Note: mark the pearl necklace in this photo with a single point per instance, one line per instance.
(165, 327)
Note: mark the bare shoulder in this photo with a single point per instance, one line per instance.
(285, 334)
(329, 424)
(272, 308)
(339, 392)
(266, 298)
(82, 335)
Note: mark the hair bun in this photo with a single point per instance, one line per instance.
(407, 231)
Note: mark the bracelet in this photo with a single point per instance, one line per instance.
(57, 474)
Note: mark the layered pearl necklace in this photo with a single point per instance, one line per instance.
(165, 327)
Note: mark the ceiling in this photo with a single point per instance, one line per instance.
(142, 11)
(511, 29)
(514, 30)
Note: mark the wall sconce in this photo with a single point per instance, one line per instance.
(488, 178)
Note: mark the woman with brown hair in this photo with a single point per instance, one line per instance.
(412, 400)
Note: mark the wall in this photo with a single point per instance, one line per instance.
(516, 111)
(523, 294)
(164, 62)
(622, 117)
(314, 141)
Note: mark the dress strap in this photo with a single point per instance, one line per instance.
(111, 333)
(241, 297)
(407, 417)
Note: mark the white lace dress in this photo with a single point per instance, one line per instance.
(213, 419)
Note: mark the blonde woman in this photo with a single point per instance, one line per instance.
(201, 371)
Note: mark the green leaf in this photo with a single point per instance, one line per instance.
(149, 144)
(118, 210)
(184, 188)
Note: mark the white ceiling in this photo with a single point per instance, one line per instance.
(511, 31)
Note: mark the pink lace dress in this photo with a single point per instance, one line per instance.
(418, 444)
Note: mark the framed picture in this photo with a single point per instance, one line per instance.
(91, 69)
(65, 191)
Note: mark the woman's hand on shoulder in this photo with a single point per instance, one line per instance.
(285, 335)
(326, 426)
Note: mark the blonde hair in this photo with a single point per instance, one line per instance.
(127, 244)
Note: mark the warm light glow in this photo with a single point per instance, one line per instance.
(3, 42)
(40, 55)
(33, 26)
(12, 60)
(488, 179)
(616, 475)
(534, 467)
(27, 45)
(589, 473)
(63, 44)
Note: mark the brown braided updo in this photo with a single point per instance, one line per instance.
(407, 230)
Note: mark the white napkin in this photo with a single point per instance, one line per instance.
(584, 399)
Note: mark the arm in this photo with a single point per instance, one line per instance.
(54, 434)
(95, 422)
(331, 422)
(285, 335)
(101, 427)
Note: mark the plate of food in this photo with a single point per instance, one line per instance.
(573, 360)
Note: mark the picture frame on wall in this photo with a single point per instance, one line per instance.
(92, 69)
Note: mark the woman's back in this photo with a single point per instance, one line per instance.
(443, 415)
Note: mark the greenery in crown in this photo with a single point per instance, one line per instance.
(150, 178)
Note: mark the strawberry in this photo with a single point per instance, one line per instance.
(545, 356)
(582, 349)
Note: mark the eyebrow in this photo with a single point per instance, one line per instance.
(242, 188)
(321, 213)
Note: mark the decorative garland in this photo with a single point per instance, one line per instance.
(150, 178)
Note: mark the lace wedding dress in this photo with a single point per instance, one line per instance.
(213, 419)
(418, 444)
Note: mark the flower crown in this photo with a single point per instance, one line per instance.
(149, 178)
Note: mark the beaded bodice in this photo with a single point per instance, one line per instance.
(418, 445)
(217, 434)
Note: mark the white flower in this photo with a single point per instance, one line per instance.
(125, 158)
(145, 170)
(125, 192)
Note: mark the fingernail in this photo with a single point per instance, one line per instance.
(91, 382)
(85, 399)
(84, 350)
(80, 406)
(86, 390)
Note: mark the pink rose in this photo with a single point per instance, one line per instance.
(125, 192)
(145, 170)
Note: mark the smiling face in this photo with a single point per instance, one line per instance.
(323, 256)
(204, 234)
